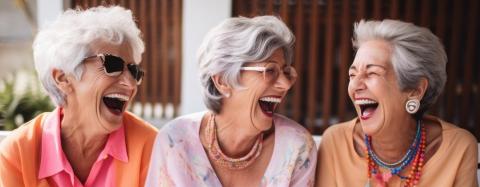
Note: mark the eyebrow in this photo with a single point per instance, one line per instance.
(277, 62)
(368, 66)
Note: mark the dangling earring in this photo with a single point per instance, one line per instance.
(412, 106)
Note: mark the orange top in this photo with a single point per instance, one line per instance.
(20, 154)
(453, 164)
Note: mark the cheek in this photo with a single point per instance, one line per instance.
(135, 91)
(350, 90)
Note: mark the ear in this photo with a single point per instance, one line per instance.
(62, 81)
(221, 85)
(420, 90)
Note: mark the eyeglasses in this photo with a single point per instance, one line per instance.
(271, 72)
(114, 66)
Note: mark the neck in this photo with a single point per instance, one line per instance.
(79, 134)
(235, 136)
(392, 144)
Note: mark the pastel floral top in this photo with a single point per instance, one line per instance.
(179, 159)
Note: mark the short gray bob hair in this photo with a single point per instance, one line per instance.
(234, 42)
(417, 53)
(66, 42)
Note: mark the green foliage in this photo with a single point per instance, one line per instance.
(21, 107)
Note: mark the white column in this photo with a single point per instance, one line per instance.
(198, 18)
(47, 11)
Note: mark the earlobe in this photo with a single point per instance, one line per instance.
(61, 81)
(221, 85)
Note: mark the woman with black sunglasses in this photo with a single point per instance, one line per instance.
(246, 71)
(87, 61)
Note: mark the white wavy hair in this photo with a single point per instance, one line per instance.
(417, 53)
(66, 42)
(234, 42)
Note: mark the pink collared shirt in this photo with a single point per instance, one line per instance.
(55, 167)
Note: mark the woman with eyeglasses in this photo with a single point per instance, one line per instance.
(246, 71)
(396, 76)
(88, 62)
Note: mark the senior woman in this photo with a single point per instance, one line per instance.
(397, 74)
(245, 69)
(88, 63)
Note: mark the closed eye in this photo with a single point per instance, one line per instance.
(351, 75)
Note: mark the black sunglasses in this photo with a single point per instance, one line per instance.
(114, 65)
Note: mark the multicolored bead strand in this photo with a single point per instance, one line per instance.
(415, 157)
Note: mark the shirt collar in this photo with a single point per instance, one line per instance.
(116, 146)
(53, 160)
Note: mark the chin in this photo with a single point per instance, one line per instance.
(372, 126)
(262, 122)
(109, 121)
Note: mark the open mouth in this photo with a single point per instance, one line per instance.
(269, 104)
(115, 103)
(367, 107)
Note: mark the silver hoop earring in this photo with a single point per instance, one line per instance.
(412, 106)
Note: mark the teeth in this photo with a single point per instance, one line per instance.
(271, 99)
(364, 101)
(118, 96)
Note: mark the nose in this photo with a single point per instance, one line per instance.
(127, 80)
(283, 82)
(357, 83)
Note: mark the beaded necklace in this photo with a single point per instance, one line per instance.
(414, 156)
(217, 154)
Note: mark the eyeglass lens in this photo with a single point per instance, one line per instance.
(272, 72)
(114, 66)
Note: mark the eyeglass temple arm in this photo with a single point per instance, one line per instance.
(253, 68)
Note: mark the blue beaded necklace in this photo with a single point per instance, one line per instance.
(397, 167)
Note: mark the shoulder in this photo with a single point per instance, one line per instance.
(182, 126)
(337, 135)
(339, 130)
(457, 136)
(26, 137)
(290, 128)
(180, 130)
(188, 121)
(134, 126)
(138, 131)
(293, 135)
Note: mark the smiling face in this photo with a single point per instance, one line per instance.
(262, 92)
(97, 98)
(373, 87)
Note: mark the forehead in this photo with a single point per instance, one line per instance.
(122, 50)
(373, 52)
(278, 57)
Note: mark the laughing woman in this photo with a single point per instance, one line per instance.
(397, 74)
(245, 68)
(88, 63)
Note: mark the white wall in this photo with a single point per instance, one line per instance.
(198, 18)
(48, 10)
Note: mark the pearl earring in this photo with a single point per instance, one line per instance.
(227, 95)
(412, 106)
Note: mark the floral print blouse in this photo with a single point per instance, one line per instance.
(179, 159)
